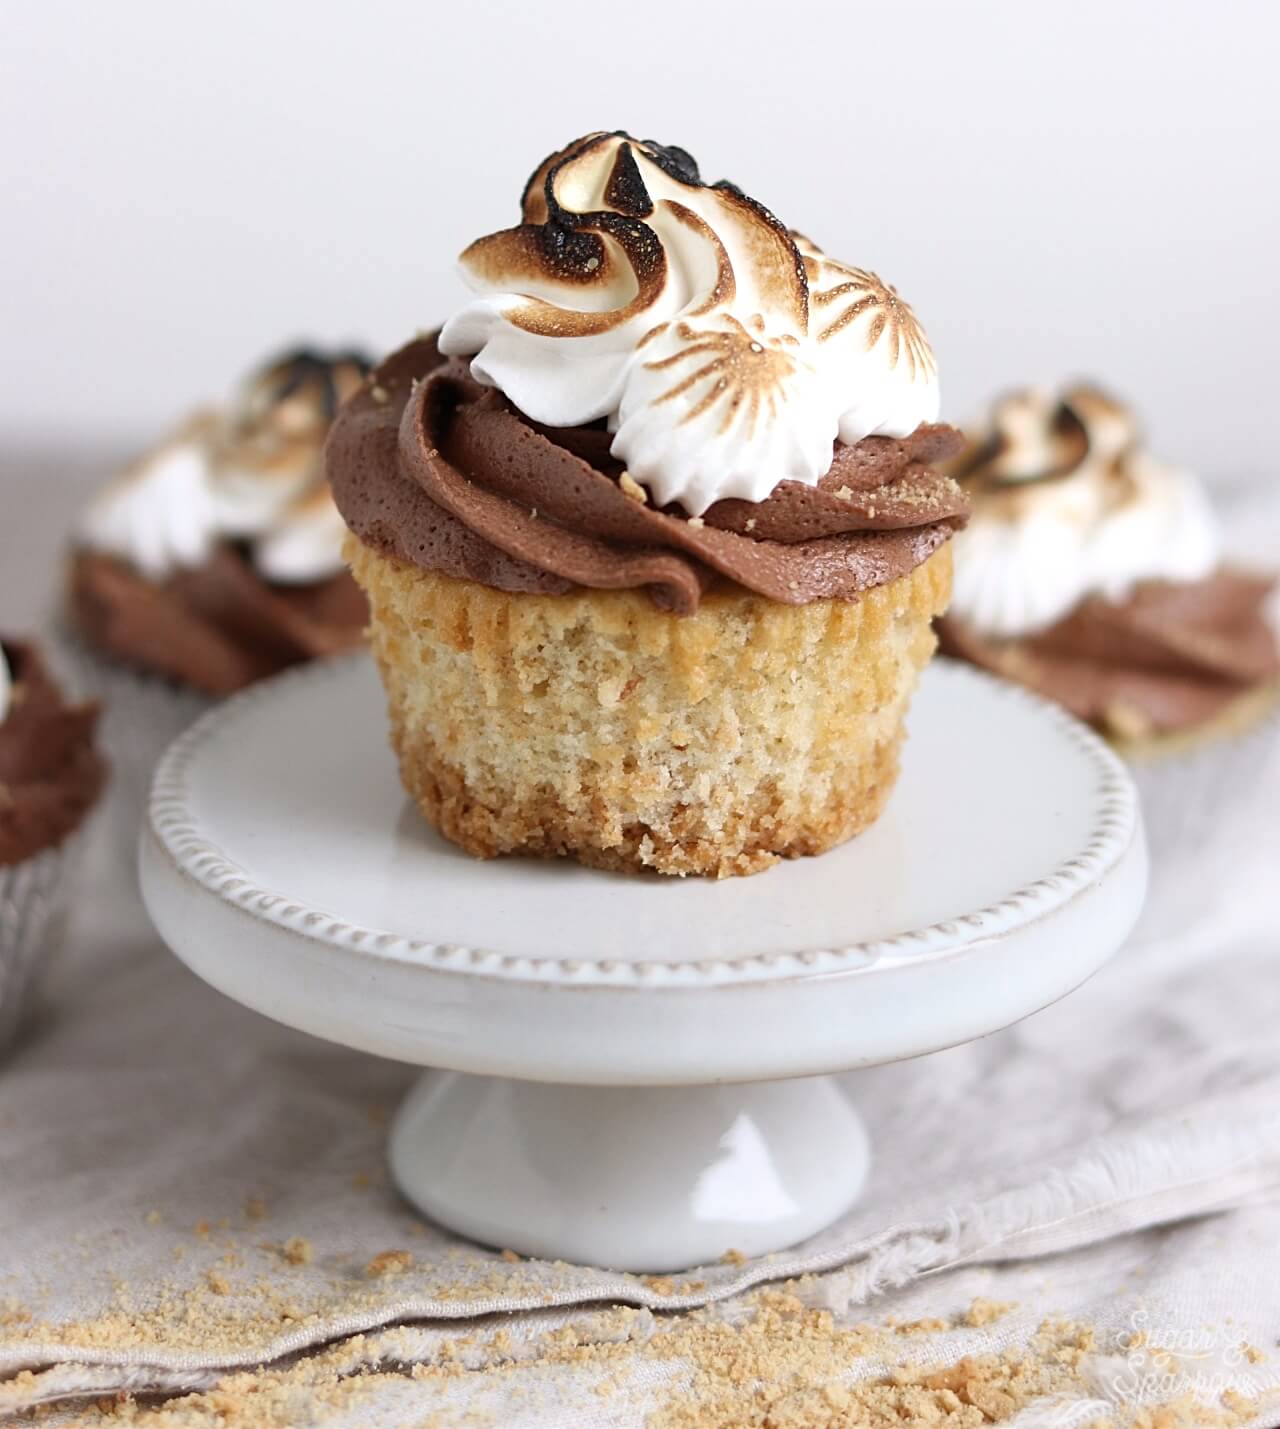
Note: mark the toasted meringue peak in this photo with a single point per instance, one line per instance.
(251, 471)
(726, 353)
(1067, 503)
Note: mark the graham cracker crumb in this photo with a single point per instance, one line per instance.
(660, 1284)
(986, 1312)
(632, 488)
(218, 1282)
(773, 1363)
(931, 1325)
(510, 1257)
(733, 1257)
(297, 1250)
(389, 1262)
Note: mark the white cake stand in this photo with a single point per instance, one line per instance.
(636, 1065)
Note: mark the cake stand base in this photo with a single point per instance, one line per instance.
(635, 1072)
(630, 1178)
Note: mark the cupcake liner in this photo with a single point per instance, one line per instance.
(1209, 808)
(32, 917)
(142, 715)
(1219, 781)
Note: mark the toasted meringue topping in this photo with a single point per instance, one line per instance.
(252, 473)
(1067, 503)
(726, 353)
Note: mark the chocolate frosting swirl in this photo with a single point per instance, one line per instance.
(215, 627)
(1167, 658)
(50, 773)
(428, 466)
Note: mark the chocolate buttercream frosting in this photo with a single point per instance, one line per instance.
(215, 627)
(50, 773)
(430, 467)
(1170, 657)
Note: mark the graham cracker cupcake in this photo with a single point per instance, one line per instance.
(213, 561)
(50, 779)
(651, 532)
(1093, 573)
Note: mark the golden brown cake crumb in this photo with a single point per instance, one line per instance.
(595, 726)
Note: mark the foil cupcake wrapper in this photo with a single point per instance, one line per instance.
(141, 716)
(33, 909)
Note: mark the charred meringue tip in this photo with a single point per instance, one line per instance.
(727, 352)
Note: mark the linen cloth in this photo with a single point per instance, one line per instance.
(186, 1188)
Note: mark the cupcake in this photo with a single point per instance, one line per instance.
(214, 560)
(651, 531)
(50, 778)
(1093, 573)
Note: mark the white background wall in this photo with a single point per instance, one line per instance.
(1058, 188)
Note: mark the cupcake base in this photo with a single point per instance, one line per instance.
(595, 726)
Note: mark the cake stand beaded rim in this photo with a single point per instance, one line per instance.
(174, 824)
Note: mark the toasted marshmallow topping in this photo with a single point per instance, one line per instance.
(726, 353)
(6, 686)
(250, 473)
(1066, 504)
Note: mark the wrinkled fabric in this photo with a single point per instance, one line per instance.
(1115, 1158)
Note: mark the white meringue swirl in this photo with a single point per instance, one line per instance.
(726, 353)
(6, 685)
(252, 473)
(1067, 504)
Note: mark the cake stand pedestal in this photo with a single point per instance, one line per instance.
(632, 1072)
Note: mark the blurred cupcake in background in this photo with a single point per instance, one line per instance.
(50, 778)
(1093, 573)
(214, 560)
